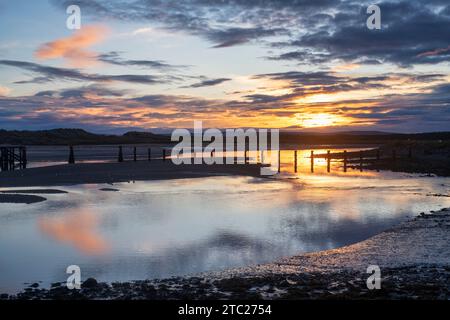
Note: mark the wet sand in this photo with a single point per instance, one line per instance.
(86, 173)
(26, 196)
(32, 191)
(414, 258)
(20, 198)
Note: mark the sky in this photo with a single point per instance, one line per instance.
(161, 64)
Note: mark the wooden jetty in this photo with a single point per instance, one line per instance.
(13, 157)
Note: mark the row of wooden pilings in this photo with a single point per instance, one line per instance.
(120, 157)
(12, 158)
(364, 156)
(165, 155)
(369, 155)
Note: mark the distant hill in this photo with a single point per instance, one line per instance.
(82, 137)
(76, 137)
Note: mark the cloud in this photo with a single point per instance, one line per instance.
(320, 31)
(346, 67)
(99, 108)
(4, 91)
(48, 74)
(74, 48)
(436, 52)
(114, 58)
(303, 84)
(87, 92)
(235, 36)
(210, 20)
(208, 83)
(347, 39)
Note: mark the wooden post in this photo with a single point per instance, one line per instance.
(20, 157)
(262, 157)
(149, 154)
(164, 154)
(246, 156)
(134, 154)
(2, 159)
(345, 160)
(24, 158)
(295, 161)
(120, 156)
(71, 156)
(6, 160)
(11, 159)
(361, 161)
(279, 161)
(312, 160)
(328, 161)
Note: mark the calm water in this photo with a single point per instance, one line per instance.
(167, 228)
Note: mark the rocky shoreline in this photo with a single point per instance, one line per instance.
(414, 258)
(409, 282)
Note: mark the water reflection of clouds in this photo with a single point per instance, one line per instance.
(223, 249)
(76, 227)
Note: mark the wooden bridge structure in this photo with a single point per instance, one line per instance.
(13, 157)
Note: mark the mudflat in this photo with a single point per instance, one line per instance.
(85, 173)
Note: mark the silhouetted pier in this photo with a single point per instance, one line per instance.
(12, 158)
(358, 159)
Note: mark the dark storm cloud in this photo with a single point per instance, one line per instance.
(48, 74)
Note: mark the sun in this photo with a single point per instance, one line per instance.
(319, 120)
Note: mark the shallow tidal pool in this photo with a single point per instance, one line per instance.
(179, 227)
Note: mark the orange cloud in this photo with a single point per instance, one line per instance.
(4, 91)
(74, 48)
(434, 52)
(346, 67)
